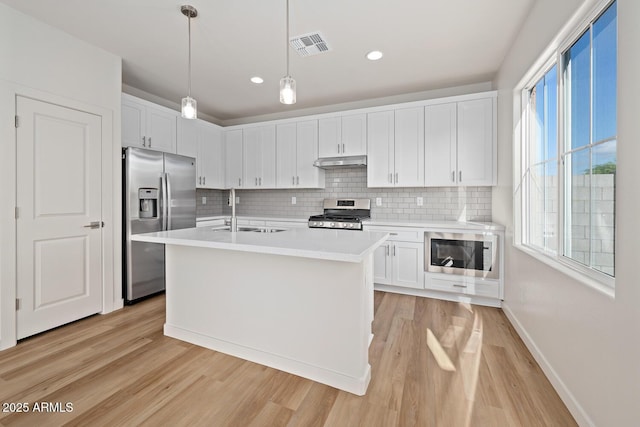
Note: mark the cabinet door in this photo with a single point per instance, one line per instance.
(260, 157)
(210, 160)
(161, 129)
(233, 158)
(408, 261)
(252, 161)
(354, 135)
(267, 179)
(380, 157)
(286, 155)
(440, 145)
(476, 148)
(409, 147)
(187, 143)
(307, 175)
(382, 264)
(133, 124)
(330, 137)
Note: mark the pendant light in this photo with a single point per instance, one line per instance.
(189, 105)
(287, 83)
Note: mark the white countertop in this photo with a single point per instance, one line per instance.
(334, 245)
(458, 225)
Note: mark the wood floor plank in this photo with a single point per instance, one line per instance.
(119, 369)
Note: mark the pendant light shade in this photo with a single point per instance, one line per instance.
(287, 90)
(189, 105)
(287, 83)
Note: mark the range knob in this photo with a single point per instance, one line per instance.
(351, 225)
(333, 224)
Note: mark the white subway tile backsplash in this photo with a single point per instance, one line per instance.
(451, 203)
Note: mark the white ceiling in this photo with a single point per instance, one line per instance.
(427, 44)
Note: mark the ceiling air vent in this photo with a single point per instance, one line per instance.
(309, 44)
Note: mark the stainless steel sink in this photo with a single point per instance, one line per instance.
(252, 229)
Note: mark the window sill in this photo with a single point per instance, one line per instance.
(568, 270)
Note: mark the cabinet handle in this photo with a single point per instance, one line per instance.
(338, 148)
(256, 181)
(149, 141)
(144, 141)
(297, 180)
(459, 286)
(342, 148)
(393, 234)
(293, 180)
(239, 182)
(453, 176)
(460, 176)
(394, 250)
(260, 181)
(391, 178)
(199, 180)
(396, 177)
(204, 180)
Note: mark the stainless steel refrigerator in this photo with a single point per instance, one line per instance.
(159, 193)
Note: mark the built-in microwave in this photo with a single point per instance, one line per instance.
(466, 254)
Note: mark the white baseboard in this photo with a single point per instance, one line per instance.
(578, 412)
(447, 296)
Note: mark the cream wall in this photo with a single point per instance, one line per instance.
(587, 342)
(39, 61)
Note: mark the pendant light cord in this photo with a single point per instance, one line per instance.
(287, 44)
(189, 90)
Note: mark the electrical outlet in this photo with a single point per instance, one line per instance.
(293, 200)
(378, 201)
(237, 200)
(204, 200)
(419, 201)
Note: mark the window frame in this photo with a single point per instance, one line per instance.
(554, 55)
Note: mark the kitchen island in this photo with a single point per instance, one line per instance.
(299, 300)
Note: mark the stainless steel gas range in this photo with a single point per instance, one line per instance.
(346, 214)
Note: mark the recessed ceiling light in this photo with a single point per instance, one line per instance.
(374, 55)
(257, 80)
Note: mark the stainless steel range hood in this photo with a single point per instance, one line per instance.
(340, 162)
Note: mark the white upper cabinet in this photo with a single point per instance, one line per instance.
(380, 149)
(476, 143)
(409, 147)
(147, 125)
(259, 157)
(396, 148)
(296, 150)
(342, 135)
(210, 159)
(233, 158)
(203, 140)
(460, 143)
(440, 144)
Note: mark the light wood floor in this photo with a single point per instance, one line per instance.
(434, 363)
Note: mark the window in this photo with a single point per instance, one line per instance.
(569, 152)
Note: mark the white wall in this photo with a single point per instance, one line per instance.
(587, 343)
(40, 61)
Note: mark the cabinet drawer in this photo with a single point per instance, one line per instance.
(399, 234)
(481, 288)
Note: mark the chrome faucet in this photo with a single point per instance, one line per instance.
(233, 226)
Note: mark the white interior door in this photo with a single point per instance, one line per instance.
(58, 195)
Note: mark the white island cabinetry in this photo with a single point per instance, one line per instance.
(300, 300)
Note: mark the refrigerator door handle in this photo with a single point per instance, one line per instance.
(167, 180)
(163, 203)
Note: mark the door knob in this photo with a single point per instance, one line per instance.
(95, 224)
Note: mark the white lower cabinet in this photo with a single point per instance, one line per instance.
(470, 286)
(399, 262)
